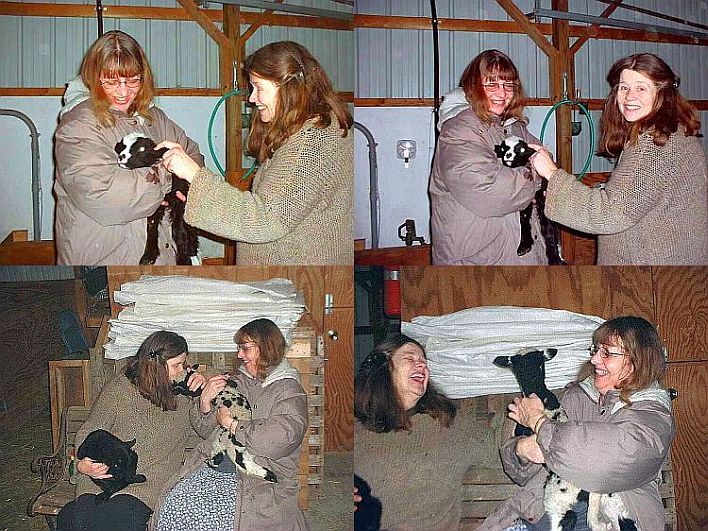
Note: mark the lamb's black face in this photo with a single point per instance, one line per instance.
(137, 151)
(514, 152)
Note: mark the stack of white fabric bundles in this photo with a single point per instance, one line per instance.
(206, 312)
(461, 346)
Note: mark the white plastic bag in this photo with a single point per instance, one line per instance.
(461, 346)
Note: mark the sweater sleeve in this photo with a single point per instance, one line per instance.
(292, 184)
(621, 454)
(476, 177)
(203, 423)
(282, 432)
(620, 205)
(104, 410)
(103, 191)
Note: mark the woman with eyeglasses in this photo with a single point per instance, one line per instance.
(102, 209)
(413, 446)
(618, 433)
(654, 208)
(475, 200)
(138, 404)
(201, 498)
(299, 208)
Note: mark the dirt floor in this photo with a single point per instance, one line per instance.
(330, 506)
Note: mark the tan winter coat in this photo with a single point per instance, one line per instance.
(274, 436)
(299, 209)
(605, 447)
(102, 209)
(475, 200)
(653, 210)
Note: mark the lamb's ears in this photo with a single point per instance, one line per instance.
(550, 353)
(502, 361)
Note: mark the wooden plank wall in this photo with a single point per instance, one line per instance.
(29, 338)
(675, 298)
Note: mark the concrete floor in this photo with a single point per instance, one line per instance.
(330, 505)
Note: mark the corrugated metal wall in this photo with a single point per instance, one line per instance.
(399, 63)
(180, 53)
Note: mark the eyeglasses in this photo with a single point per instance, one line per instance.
(113, 84)
(245, 346)
(508, 86)
(604, 352)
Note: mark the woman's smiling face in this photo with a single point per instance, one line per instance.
(612, 366)
(410, 374)
(636, 94)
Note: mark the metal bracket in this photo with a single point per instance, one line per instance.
(329, 304)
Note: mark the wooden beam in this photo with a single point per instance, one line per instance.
(593, 28)
(254, 27)
(22, 9)
(536, 36)
(205, 22)
(501, 26)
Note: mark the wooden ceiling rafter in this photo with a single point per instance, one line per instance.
(198, 15)
(254, 27)
(529, 28)
(593, 28)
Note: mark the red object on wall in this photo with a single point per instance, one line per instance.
(392, 292)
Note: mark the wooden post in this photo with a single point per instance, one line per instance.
(560, 64)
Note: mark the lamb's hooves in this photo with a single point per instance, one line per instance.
(523, 249)
(148, 260)
(568, 521)
(270, 477)
(627, 525)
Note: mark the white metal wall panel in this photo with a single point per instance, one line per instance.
(47, 52)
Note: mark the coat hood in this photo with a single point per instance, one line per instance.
(653, 393)
(280, 372)
(76, 92)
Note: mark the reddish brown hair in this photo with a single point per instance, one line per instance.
(669, 111)
(117, 54)
(494, 65)
(304, 92)
(147, 370)
(271, 343)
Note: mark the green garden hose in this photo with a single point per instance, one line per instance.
(585, 111)
(209, 135)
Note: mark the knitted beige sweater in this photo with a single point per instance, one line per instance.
(299, 209)
(417, 475)
(160, 435)
(653, 210)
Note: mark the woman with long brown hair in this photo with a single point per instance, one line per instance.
(654, 208)
(475, 200)
(139, 404)
(102, 209)
(299, 208)
(412, 446)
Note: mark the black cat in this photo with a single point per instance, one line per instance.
(104, 447)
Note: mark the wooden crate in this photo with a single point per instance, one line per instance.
(306, 354)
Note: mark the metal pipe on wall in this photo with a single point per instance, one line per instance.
(36, 178)
(373, 184)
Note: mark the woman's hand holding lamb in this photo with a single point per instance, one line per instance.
(92, 468)
(528, 449)
(214, 386)
(541, 161)
(178, 162)
(527, 411)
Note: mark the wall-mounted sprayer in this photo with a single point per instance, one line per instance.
(405, 149)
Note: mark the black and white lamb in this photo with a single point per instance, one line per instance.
(122, 461)
(138, 151)
(515, 153)
(605, 511)
(225, 444)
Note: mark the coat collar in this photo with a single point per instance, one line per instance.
(653, 393)
(281, 371)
